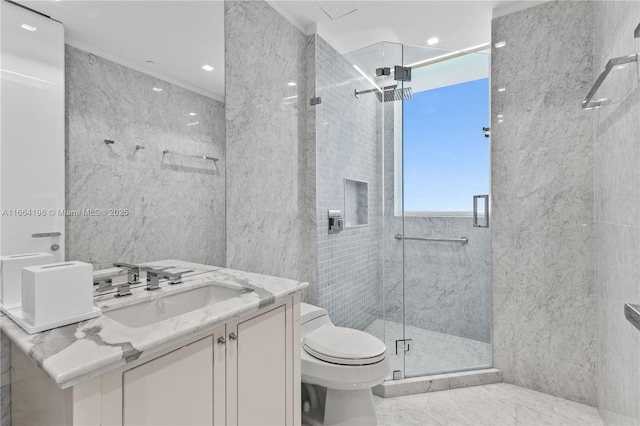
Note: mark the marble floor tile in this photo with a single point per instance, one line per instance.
(497, 404)
(431, 352)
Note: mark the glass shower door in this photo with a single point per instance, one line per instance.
(401, 152)
(442, 161)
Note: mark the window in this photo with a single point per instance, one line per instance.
(446, 156)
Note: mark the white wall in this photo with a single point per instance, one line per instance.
(32, 133)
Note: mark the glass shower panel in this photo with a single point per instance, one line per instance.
(375, 84)
(348, 180)
(445, 163)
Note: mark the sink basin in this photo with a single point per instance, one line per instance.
(149, 312)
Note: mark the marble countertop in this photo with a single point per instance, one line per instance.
(81, 351)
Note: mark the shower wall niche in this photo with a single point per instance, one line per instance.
(356, 203)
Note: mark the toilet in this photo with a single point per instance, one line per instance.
(339, 367)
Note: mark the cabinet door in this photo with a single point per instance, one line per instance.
(257, 376)
(174, 389)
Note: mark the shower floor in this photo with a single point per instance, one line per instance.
(431, 352)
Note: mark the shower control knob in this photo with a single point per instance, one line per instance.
(233, 337)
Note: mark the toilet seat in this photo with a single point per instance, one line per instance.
(344, 346)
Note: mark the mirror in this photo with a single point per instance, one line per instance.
(144, 121)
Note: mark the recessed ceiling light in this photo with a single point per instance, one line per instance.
(502, 89)
(192, 114)
(157, 89)
(194, 123)
(207, 67)
(292, 83)
(500, 44)
(432, 41)
(500, 115)
(28, 27)
(151, 62)
(500, 121)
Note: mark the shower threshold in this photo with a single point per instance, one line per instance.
(437, 382)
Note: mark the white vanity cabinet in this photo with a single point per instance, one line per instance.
(259, 361)
(174, 389)
(245, 372)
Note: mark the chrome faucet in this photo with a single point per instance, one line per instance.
(106, 283)
(154, 276)
(133, 272)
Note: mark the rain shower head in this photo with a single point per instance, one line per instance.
(395, 94)
(389, 93)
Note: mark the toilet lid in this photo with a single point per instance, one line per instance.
(344, 346)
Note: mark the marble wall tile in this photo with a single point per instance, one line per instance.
(542, 174)
(447, 285)
(270, 150)
(167, 197)
(617, 215)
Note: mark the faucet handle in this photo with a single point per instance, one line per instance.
(176, 277)
(104, 284)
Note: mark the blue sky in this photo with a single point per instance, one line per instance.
(446, 156)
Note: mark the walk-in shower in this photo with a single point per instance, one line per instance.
(416, 273)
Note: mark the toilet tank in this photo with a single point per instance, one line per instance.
(312, 317)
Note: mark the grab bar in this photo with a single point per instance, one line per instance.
(463, 240)
(204, 157)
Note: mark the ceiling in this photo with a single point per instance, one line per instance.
(182, 36)
(351, 25)
(179, 36)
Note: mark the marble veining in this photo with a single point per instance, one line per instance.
(543, 200)
(84, 350)
(270, 149)
(494, 404)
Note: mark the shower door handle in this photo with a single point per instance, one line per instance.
(486, 211)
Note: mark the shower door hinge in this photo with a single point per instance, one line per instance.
(317, 100)
(402, 73)
(383, 71)
(406, 345)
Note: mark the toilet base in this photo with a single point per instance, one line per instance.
(342, 408)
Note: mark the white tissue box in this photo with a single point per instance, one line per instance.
(57, 294)
(11, 276)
